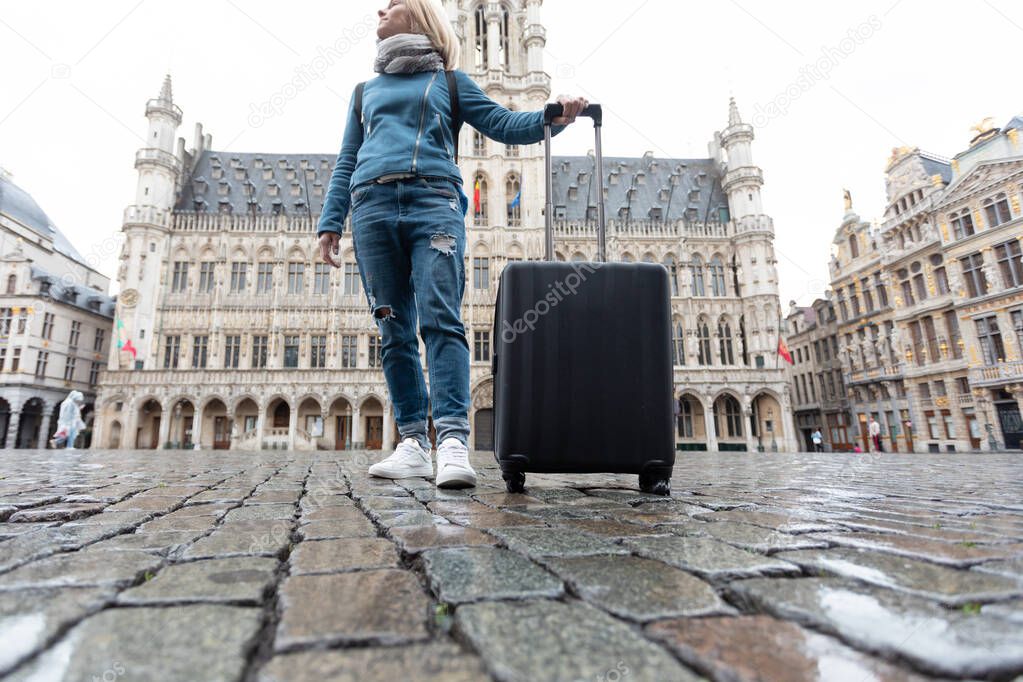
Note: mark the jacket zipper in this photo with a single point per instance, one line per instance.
(422, 119)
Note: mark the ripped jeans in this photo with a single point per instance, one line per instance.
(409, 240)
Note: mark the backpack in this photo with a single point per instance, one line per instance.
(456, 114)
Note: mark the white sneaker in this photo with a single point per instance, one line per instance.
(408, 460)
(453, 469)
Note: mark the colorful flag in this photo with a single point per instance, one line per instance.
(123, 342)
(476, 197)
(783, 350)
(518, 197)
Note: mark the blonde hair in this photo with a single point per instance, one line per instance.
(429, 19)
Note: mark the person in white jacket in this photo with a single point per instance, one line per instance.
(69, 421)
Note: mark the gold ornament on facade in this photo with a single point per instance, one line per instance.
(1013, 136)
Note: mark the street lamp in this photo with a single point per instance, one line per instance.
(348, 427)
(984, 402)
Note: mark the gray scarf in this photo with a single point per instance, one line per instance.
(407, 53)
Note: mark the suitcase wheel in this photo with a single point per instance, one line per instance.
(654, 485)
(514, 481)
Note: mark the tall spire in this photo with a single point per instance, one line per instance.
(733, 113)
(165, 90)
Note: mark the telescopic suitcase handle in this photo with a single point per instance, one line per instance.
(594, 111)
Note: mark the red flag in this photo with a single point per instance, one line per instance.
(476, 196)
(783, 350)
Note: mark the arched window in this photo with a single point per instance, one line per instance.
(479, 200)
(729, 415)
(669, 263)
(703, 345)
(578, 257)
(854, 247)
(479, 143)
(696, 270)
(480, 42)
(513, 199)
(725, 342)
(678, 344)
(996, 210)
(685, 417)
(503, 52)
(962, 223)
(717, 276)
(627, 258)
(742, 340)
(12, 283)
(649, 258)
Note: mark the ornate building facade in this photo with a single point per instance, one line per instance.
(931, 300)
(55, 316)
(244, 339)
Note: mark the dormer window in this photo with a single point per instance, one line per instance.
(573, 192)
(257, 162)
(272, 189)
(296, 189)
(268, 173)
(318, 189)
(277, 207)
(44, 288)
(239, 173)
(675, 179)
(691, 214)
(223, 188)
(612, 179)
(656, 213)
(641, 178)
(694, 195)
(290, 174)
(664, 194)
(560, 213)
(216, 172)
(591, 212)
(630, 193)
(623, 213)
(581, 177)
(225, 206)
(324, 164)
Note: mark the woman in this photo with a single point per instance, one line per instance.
(397, 175)
(69, 421)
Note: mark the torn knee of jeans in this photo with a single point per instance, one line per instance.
(445, 243)
(383, 312)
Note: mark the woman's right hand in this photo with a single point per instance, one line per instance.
(330, 244)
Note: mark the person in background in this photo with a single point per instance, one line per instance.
(818, 440)
(69, 421)
(874, 430)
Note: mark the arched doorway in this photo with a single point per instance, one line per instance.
(690, 426)
(147, 433)
(339, 424)
(114, 435)
(5, 420)
(310, 424)
(28, 425)
(180, 435)
(244, 423)
(373, 424)
(215, 426)
(728, 423)
(766, 422)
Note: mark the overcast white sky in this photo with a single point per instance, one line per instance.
(76, 77)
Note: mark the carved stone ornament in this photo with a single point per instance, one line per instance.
(129, 297)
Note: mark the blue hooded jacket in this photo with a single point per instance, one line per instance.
(407, 130)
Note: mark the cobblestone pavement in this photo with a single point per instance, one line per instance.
(268, 566)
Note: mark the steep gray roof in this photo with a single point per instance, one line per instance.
(936, 166)
(244, 182)
(74, 294)
(19, 205)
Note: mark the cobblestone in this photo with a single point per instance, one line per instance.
(280, 565)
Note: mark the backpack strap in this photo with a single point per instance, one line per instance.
(456, 112)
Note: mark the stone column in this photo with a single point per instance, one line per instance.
(292, 426)
(790, 441)
(98, 418)
(43, 434)
(357, 442)
(165, 419)
(493, 16)
(388, 440)
(708, 426)
(14, 423)
(260, 425)
(747, 413)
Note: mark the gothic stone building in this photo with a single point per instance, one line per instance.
(243, 339)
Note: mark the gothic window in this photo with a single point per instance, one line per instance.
(479, 143)
(717, 276)
(479, 200)
(854, 247)
(513, 199)
(685, 418)
(703, 344)
(725, 343)
(480, 42)
(696, 270)
(672, 266)
(678, 345)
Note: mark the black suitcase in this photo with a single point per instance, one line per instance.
(582, 361)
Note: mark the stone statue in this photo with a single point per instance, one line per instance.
(848, 200)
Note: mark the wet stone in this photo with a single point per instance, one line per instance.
(495, 519)
(708, 557)
(355, 526)
(946, 585)
(758, 538)
(384, 606)
(611, 529)
(415, 539)
(55, 512)
(465, 574)
(165, 523)
(1011, 611)
(335, 556)
(123, 519)
(1012, 568)
(755, 648)
(29, 618)
(541, 640)
(84, 568)
(260, 512)
(555, 542)
(288, 497)
(934, 639)
(242, 539)
(200, 642)
(638, 589)
(389, 519)
(434, 662)
(157, 505)
(219, 495)
(786, 523)
(384, 504)
(162, 542)
(313, 504)
(961, 555)
(242, 580)
(341, 513)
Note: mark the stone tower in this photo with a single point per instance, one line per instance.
(146, 230)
